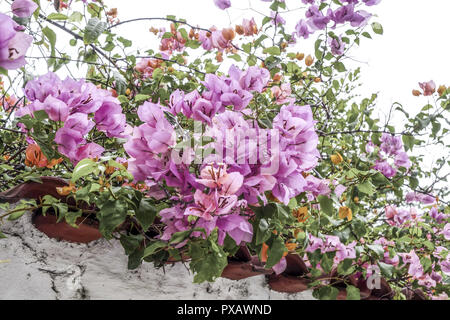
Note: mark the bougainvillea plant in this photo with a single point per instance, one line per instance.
(221, 138)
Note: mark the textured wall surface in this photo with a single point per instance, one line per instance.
(32, 266)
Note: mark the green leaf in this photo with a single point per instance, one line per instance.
(367, 35)
(377, 28)
(193, 44)
(72, 216)
(326, 204)
(93, 30)
(51, 37)
(2, 236)
(40, 115)
(76, 17)
(135, 259)
(353, 293)
(141, 98)
(345, 267)
(262, 232)
(121, 83)
(326, 293)
(123, 99)
(275, 252)
(83, 168)
(61, 210)
(426, 264)
(130, 242)
(317, 52)
(339, 66)
(153, 247)
(146, 213)
(16, 215)
(207, 260)
(275, 51)
(57, 16)
(3, 71)
(178, 237)
(378, 249)
(367, 187)
(327, 262)
(408, 141)
(126, 43)
(386, 269)
(235, 57)
(112, 214)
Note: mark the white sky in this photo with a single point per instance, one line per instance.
(414, 47)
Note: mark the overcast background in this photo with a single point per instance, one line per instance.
(414, 47)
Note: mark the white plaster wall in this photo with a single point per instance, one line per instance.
(32, 266)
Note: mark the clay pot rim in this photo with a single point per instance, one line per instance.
(38, 212)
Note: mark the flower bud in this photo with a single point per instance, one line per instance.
(239, 29)
(336, 158)
(300, 56)
(345, 212)
(291, 246)
(219, 56)
(309, 60)
(301, 214)
(228, 34)
(276, 77)
(264, 249)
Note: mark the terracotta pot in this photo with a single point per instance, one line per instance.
(243, 265)
(86, 232)
(34, 190)
(295, 266)
(288, 284)
(385, 291)
(238, 270)
(416, 294)
(184, 258)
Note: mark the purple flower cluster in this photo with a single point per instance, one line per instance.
(234, 90)
(316, 20)
(316, 187)
(238, 172)
(416, 270)
(23, 8)
(298, 150)
(420, 197)
(79, 106)
(438, 216)
(150, 148)
(401, 217)
(222, 4)
(13, 44)
(332, 244)
(391, 155)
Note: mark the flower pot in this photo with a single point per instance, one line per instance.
(243, 265)
(86, 232)
(288, 284)
(184, 258)
(34, 190)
